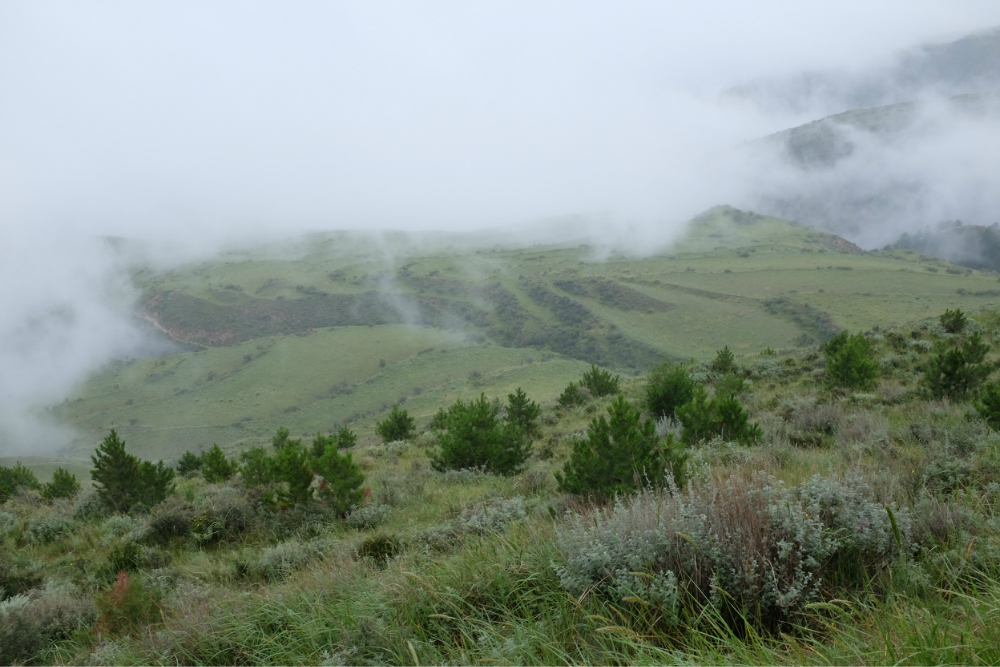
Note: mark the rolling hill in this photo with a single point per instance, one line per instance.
(339, 327)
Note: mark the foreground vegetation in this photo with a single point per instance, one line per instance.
(828, 504)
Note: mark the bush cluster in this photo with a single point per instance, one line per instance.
(721, 416)
(957, 372)
(750, 547)
(620, 454)
(473, 435)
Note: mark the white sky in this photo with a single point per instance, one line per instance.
(172, 119)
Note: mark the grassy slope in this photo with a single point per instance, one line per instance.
(736, 279)
(496, 598)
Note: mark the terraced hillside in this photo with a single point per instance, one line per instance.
(341, 326)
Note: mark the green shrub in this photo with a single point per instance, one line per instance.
(89, 505)
(30, 623)
(367, 517)
(571, 396)
(63, 485)
(600, 382)
(954, 321)
(277, 562)
(524, 413)
(619, 455)
(491, 516)
(399, 425)
(380, 548)
(256, 467)
(11, 479)
(667, 389)
(341, 486)
(724, 362)
(344, 439)
(49, 529)
(722, 416)
(755, 551)
(188, 463)
(988, 405)
(124, 481)
(291, 470)
(849, 361)
(475, 437)
(215, 467)
(957, 373)
(170, 519)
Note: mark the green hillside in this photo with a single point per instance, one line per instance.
(342, 326)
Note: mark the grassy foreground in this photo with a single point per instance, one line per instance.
(467, 568)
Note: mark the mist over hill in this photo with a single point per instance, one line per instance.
(965, 65)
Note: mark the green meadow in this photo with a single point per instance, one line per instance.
(336, 328)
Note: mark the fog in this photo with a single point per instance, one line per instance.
(195, 125)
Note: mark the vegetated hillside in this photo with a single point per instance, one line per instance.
(857, 526)
(456, 321)
(824, 143)
(974, 246)
(966, 65)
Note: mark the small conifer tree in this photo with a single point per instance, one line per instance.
(341, 486)
(954, 321)
(215, 467)
(474, 437)
(188, 463)
(600, 382)
(667, 389)
(725, 361)
(63, 485)
(123, 481)
(988, 405)
(13, 478)
(399, 425)
(524, 413)
(571, 396)
(957, 373)
(619, 454)
(850, 362)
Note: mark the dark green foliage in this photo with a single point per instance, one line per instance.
(346, 438)
(63, 485)
(722, 416)
(572, 396)
(123, 481)
(156, 481)
(954, 321)
(725, 361)
(600, 382)
(988, 405)
(524, 413)
(476, 438)
(13, 478)
(342, 479)
(957, 373)
(380, 548)
(619, 455)
(188, 463)
(281, 438)
(291, 469)
(215, 467)
(439, 421)
(849, 361)
(320, 444)
(667, 389)
(729, 384)
(256, 468)
(399, 425)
